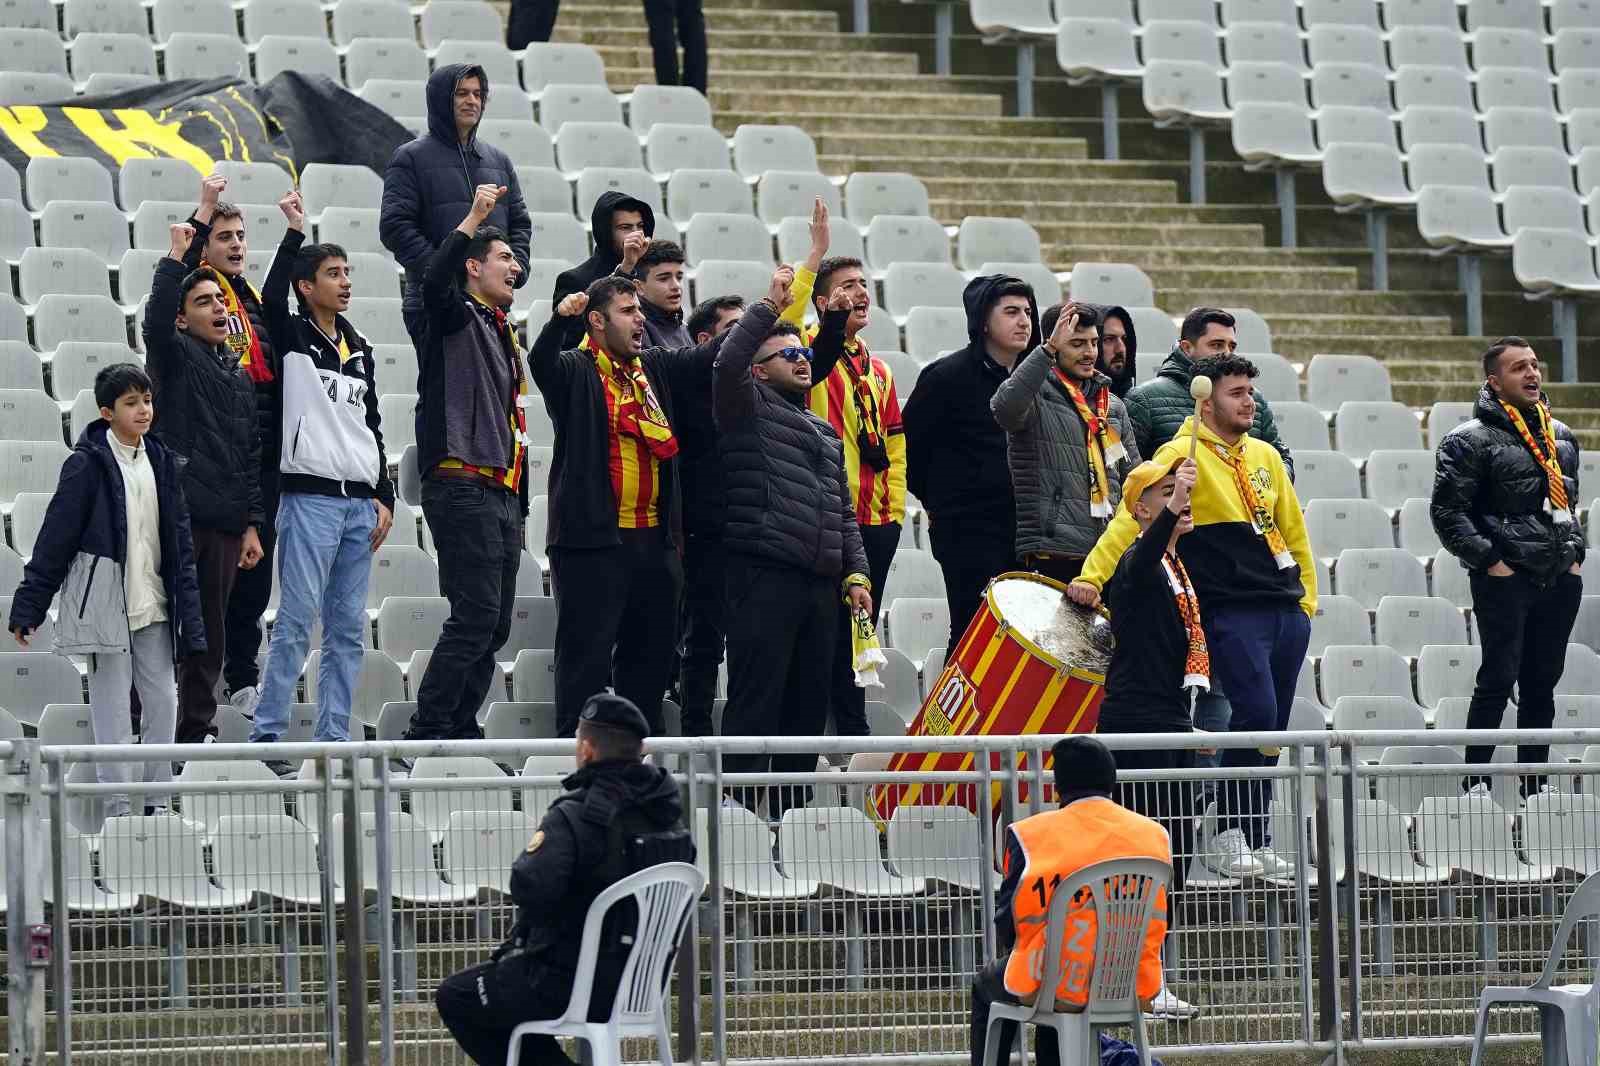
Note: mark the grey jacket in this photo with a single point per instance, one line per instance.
(1049, 457)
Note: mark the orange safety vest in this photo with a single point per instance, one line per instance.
(1056, 845)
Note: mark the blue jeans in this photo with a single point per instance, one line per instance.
(1256, 652)
(324, 561)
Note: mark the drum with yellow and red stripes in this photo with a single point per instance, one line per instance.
(1030, 662)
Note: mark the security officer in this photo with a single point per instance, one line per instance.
(1041, 852)
(616, 817)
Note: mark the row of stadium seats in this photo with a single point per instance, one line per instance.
(1447, 14)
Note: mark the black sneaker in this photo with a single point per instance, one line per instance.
(397, 765)
(282, 767)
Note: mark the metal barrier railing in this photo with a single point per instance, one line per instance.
(314, 916)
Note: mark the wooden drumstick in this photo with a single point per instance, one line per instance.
(1200, 389)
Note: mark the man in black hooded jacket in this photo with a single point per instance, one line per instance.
(431, 181)
(622, 227)
(616, 817)
(1119, 347)
(956, 452)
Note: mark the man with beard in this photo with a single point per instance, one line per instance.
(1504, 490)
(616, 522)
(955, 450)
(1119, 347)
(621, 227)
(789, 565)
(431, 184)
(1068, 445)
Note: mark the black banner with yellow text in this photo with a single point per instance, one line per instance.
(293, 120)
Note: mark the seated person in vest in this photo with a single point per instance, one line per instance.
(617, 816)
(1043, 851)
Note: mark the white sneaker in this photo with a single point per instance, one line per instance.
(1228, 854)
(1272, 864)
(1479, 789)
(1548, 789)
(244, 701)
(1168, 1006)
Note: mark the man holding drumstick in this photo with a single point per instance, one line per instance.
(1250, 564)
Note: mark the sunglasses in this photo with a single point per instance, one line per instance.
(790, 355)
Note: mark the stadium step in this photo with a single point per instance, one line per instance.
(913, 144)
(746, 17)
(1296, 278)
(799, 64)
(813, 104)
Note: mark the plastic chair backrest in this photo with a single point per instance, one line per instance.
(1583, 904)
(1121, 919)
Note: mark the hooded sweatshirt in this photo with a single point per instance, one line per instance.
(605, 259)
(431, 181)
(1123, 381)
(955, 450)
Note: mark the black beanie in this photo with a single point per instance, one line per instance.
(1083, 767)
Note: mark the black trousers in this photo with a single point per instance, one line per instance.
(216, 568)
(988, 988)
(671, 21)
(1172, 804)
(1524, 629)
(849, 700)
(252, 592)
(778, 620)
(481, 1011)
(530, 22)
(616, 622)
(477, 533)
(700, 632)
(1063, 568)
(970, 559)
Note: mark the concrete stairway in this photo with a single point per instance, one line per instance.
(867, 103)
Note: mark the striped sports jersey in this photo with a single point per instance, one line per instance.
(880, 496)
(635, 473)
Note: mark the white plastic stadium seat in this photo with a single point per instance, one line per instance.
(905, 239)
(982, 239)
(162, 857)
(1333, 379)
(671, 147)
(1325, 475)
(1335, 525)
(1445, 671)
(1363, 670)
(1115, 283)
(723, 236)
(26, 415)
(908, 285)
(553, 63)
(759, 148)
(433, 807)
(868, 194)
(1267, 133)
(1339, 620)
(1369, 574)
(838, 846)
(1473, 834)
(205, 55)
(1301, 425)
(1397, 475)
(1363, 425)
(1408, 623)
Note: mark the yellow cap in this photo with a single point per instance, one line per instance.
(1141, 477)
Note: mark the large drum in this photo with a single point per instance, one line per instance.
(1030, 662)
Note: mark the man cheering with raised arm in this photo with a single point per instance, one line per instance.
(616, 521)
(471, 436)
(1503, 492)
(793, 550)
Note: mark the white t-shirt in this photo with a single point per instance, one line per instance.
(147, 596)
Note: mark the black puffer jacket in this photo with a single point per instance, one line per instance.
(431, 181)
(782, 467)
(205, 413)
(1489, 497)
(605, 259)
(955, 450)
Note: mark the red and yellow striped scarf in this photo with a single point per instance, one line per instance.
(1101, 438)
(1548, 459)
(242, 340)
(1197, 661)
(639, 413)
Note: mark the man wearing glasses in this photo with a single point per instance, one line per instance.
(793, 549)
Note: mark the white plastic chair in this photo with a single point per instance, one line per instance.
(663, 895)
(1118, 949)
(1567, 1012)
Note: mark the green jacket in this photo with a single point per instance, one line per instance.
(1158, 407)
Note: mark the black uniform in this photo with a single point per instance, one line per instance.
(615, 818)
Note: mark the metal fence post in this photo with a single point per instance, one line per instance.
(355, 932)
(719, 931)
(689, 949)
(1352, 789)
(385, 862)
(28, 954)
(61, 975)
(1331, 1026)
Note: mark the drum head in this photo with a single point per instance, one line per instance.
(1038, 611)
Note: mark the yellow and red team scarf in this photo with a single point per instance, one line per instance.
(874, 452)
(1197, 662)
(639, 413)
(1260, 518)
(1101, 438)
(1556, 501)
(242, 340)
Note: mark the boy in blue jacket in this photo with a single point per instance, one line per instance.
(116, 546)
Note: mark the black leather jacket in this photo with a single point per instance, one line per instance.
(1489, 497)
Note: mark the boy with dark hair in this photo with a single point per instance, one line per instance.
(714, 317)
(472, 432)
(220, 242)
(116, 544)
(621, 226)
(660, 278)
(337, 501)
(209, 419)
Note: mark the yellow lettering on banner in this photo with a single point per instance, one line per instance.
(140, 137)
(22, 124)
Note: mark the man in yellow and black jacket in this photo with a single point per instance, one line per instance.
(1251, 566)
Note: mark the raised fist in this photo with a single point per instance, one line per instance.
(182, 234)
(484, 199)
(212, 187)
(572, 306)
(293, 209)
(633, 246)
(778, 291)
